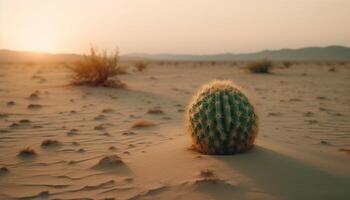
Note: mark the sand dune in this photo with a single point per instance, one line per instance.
(100, 143)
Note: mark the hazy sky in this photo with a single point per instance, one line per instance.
(173, 26)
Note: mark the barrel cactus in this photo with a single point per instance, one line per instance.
(221, 120)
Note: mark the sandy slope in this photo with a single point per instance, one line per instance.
(305, 123)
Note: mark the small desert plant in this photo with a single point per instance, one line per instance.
(287, 64)
(221, 120)
(96, 69)
(262, 66)
(141, 66)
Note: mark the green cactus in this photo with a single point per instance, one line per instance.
(221, 120)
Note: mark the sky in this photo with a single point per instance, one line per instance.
(172, 26)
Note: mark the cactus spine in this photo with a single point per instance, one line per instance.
(221, 120)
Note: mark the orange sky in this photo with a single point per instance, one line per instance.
(173, 26)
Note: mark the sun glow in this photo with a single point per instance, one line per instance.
(41, 37)
(42, 44)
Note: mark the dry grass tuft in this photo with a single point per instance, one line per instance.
(260, 67)
(141, 66)
(97, 69)
(143, 123)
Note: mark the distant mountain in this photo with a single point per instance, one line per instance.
(9, 56)
(330, 53)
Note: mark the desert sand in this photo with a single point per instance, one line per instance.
(107, 143)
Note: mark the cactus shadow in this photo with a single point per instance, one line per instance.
(286, 177)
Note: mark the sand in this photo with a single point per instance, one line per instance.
(102, 151)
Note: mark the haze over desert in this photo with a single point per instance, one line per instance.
(127, 105)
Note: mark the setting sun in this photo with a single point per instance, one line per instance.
(38, 37)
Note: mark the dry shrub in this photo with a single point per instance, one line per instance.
(97, 69)
(141, 66)
(287, 64)
(260, 67)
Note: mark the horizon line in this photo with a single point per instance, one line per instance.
(189, 54)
